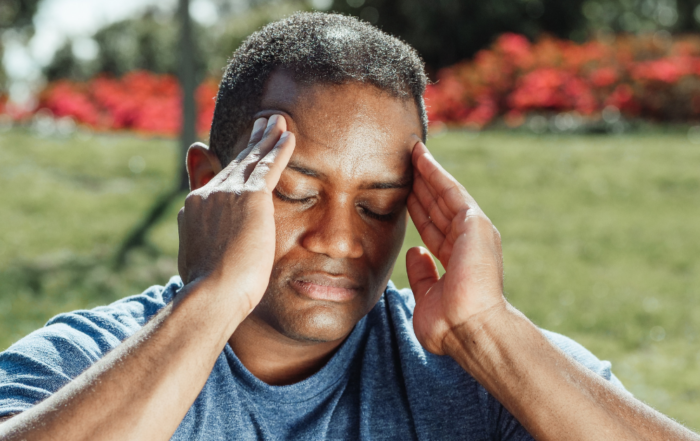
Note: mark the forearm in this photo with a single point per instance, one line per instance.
(550, 394)
(144, 387)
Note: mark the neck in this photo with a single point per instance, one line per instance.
(277, 359)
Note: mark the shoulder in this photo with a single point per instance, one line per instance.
(401, 303)
(583, 356)
(42, 362)
(92, 332)
(110, 324)
(400, 299)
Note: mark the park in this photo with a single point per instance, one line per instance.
(584, 154)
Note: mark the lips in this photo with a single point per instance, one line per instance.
(323, 286)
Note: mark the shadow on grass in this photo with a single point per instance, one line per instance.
(137, 237)
(33, 291)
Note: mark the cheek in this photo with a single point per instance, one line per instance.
(383, 243)
(288, 227)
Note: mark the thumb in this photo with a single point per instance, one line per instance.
(422, 271)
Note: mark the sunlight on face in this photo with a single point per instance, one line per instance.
(340, 206)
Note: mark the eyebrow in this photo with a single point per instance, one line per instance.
(305, 171)
(388, 185)
(401, 183)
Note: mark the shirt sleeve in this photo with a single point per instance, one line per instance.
(47, 359)
(508, 428)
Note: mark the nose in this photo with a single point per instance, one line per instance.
(334, 231)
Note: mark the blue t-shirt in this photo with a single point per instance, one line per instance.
(380, 384)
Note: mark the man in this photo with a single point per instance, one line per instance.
(285, 324)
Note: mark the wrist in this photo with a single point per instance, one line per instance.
(480, 344)
(209, 306)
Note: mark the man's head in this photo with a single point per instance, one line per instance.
(313, 48)
(353, 98)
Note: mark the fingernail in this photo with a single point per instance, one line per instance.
(271, 122)
(259, 125)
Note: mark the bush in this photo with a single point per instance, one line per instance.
(140, 101)
(651, 77)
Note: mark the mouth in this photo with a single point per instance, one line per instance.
(323, 286)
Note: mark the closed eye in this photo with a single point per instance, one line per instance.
(365, 211)
(380, 217)
(286, 198)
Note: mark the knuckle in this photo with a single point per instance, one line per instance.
(192, 198)
(253, 156)
(482, 220)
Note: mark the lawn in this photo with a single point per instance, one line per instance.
(601, 237)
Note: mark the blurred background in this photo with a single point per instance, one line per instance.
(575, 124)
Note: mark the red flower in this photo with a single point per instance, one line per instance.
(604, 76)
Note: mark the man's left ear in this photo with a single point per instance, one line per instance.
(202, 165)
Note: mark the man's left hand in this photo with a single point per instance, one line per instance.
(454, 229)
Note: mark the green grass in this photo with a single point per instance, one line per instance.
(601, 238)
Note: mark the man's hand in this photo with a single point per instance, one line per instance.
(463, 314)
(455, 230)
(145, 387)
(227, 227)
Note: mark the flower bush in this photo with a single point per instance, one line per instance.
(653, 77)
(140, 101)
(641, 76)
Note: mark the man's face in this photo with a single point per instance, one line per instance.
(340, 205)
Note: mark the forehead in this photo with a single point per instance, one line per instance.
(351, 130)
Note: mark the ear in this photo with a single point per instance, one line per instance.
(202, 165)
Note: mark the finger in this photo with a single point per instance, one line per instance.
(421, 270)
(258, 130)
(276, 125)
(256, 135)
(444, 185)
(445, 209)
(441, 203)
(480, 256)
(430, 204)
(181, 247)
(270, 168)
(431, 235)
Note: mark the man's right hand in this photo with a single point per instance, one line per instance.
(227, 227)
(144, 387)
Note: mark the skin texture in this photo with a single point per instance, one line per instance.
(340, 215)
(257, 268)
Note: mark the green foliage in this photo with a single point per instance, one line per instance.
(229, 33)
(444, 31)
(600, 236)
(16, 22)
(151, 42)
(448, 31)
(17, 14)
(642, 15)
(148, 42)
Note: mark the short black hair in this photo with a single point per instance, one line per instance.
(314, 47)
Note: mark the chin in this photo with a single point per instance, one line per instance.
(307, 320)
(318, 324)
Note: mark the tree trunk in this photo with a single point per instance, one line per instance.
(187, 84)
